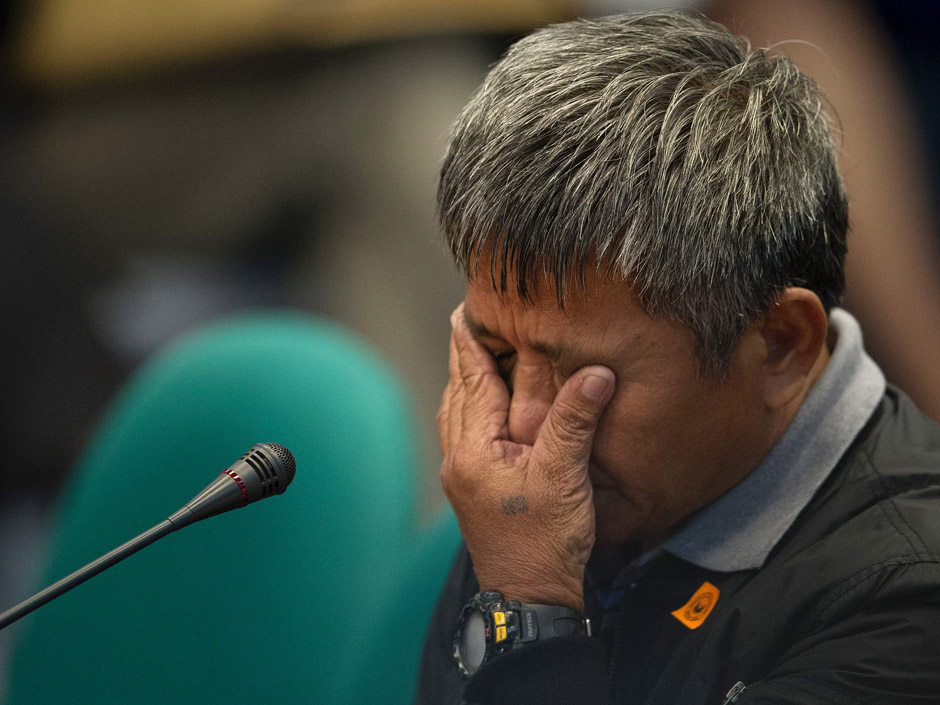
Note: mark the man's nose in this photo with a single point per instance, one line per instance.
(532, 395)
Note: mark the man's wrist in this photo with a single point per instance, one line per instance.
(560, 589)
(542, 595)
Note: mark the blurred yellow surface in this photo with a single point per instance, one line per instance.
(62, 41)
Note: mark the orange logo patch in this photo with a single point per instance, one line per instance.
(694, 612)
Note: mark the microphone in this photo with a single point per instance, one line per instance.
(265, 470)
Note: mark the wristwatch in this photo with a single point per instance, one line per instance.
(489, 626)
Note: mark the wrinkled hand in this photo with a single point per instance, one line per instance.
(525, 512)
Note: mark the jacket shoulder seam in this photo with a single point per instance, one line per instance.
(887, 505)
(856, 580)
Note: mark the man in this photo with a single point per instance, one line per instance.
(658, 424)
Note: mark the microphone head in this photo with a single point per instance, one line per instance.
(273, 466)
(264, 471)
(286, 458)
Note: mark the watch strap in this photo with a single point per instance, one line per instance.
(540, 622)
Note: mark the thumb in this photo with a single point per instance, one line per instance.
(567, 433)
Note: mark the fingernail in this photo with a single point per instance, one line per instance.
(594, 387)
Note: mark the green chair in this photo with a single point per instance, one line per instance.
(384, 668)
(260, 605)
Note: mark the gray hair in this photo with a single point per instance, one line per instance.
(662, 149)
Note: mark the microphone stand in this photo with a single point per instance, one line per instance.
(88, 571)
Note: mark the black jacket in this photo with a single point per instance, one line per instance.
(845, 610)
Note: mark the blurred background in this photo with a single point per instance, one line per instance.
(167, 163)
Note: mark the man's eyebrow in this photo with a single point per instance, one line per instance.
(556, 352)
(477, 329)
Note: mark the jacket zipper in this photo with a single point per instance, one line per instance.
(737, 690)
(615, 645)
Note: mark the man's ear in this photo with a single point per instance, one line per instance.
(794, 335)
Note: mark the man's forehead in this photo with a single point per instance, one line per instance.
(602, 311)
(580, 290)
(487, 298)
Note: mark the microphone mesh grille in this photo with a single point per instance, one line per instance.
(286, 458)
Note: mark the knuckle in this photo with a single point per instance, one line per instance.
(573, 421)
(474, 382)
(570, 437)
(457, 480)
(453, 477)
(481, 392)
(491, 454)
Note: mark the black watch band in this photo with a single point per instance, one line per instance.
(490, 626)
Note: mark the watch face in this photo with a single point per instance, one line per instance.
(472, 643)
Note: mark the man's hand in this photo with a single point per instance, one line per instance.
(525, 512)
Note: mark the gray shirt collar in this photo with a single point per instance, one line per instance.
(738, 530)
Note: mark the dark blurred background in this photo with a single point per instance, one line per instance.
(165, 163)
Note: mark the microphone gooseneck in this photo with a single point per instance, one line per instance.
(264, 471)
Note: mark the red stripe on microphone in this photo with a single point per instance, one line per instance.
(238, 481)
